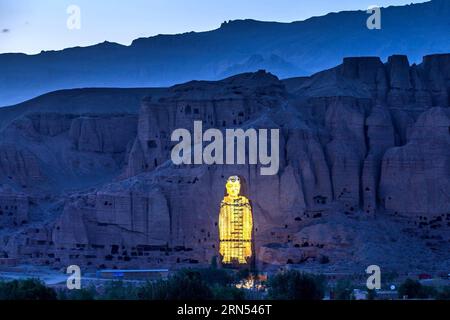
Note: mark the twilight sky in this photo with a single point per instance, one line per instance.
(31, 26)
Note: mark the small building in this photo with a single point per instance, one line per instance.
(149, 274)
(387, 295)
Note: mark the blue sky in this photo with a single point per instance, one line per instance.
(33, 25)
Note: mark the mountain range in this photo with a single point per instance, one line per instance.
(284, 49)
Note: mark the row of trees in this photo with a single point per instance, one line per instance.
(208, 284)
(413, 289)
(202, 284)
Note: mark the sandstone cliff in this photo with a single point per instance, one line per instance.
(364, 173)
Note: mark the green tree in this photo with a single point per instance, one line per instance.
(30, 289)
(227, 293)
(413, 289)
(215, 276)
(410, 288)
(444, 294)
(118, 290)
(184, 285)
(343, 290)
(154, 290)
(84, 294)
(294, 285)
(371, 294)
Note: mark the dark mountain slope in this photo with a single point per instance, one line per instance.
(285, 49)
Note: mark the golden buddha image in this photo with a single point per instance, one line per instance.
(235, 225)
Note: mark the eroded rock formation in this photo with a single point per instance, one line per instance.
(364, 171)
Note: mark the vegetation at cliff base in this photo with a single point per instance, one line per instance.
(30, 289)
(294, 285)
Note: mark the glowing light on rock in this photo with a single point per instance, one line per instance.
(235, 225)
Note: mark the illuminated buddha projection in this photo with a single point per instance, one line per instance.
(235, 225)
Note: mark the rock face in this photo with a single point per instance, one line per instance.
(224, 104)
(52, 152)
(103, 135)
(364, 172)
(19, 165)
(415, 177)
(13, 209)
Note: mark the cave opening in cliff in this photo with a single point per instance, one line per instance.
(235, 225)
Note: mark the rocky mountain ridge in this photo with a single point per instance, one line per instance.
(284, 49)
